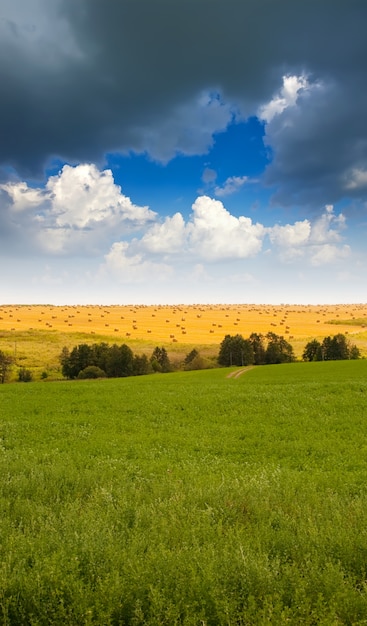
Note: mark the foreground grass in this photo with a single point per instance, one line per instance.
(186, 499)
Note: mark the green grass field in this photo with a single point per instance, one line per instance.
(186, 499)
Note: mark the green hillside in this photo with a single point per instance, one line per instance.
(186, 498)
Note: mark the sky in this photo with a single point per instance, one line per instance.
(183, 151)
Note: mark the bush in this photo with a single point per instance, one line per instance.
(190, 357)
(25, 375)
(198, 363)
(92, 371)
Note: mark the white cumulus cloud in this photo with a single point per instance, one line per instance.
(291, 234)
(79, 209)
(287, 97)
(216, 234)
(168, 237)
(82, 196)
(316, 240)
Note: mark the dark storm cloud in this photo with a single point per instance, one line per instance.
(320, 146)
(82, 77)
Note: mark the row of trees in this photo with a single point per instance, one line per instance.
(331, 349)
(101, 360)
(256, 350)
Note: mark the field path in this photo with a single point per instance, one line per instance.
(239, 373)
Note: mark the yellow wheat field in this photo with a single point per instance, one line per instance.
(190, 324)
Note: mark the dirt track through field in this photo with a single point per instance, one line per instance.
(239, 373)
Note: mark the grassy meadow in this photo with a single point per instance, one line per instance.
(190, 498)
(35, 335)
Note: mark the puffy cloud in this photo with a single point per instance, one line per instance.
(83, 196)
(287, 97)
(209, 175)
(82, 212)
(291, 235)
(216, 234)
(328, 253)
(24, 198)
(213, 234)
(130, 268)
(78, 211)
(313, 240)
(327, 228)
(356, 179)
(231, 185)
(166, 238)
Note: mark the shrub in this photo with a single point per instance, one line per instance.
(92, 371)
(190, 357)
(25, 375)
(198, 363)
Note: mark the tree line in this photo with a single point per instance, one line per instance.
(117, 361)
(257, 349)
(114, 361)
(271, 349)
(335, 348)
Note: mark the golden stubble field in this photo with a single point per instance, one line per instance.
(39, 331)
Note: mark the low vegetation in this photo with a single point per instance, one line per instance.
(188, 499)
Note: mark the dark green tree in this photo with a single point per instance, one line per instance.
(257, 342)
(335, 348)
(141, 365)
(312, 351)
(278, 350)
(64, 361)
(354, 352)
(6, 362)
(78, 359)
(99, 355)
(190, 357)
(235, 350)
(120, 361)
(160, 361)
(340, 347)
(332, 349)
(326, 348)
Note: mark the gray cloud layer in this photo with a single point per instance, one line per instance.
(79, 78)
